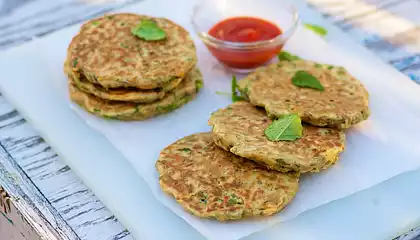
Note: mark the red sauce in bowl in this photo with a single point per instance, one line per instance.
(244, 30)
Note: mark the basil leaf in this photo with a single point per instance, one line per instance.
(286, 56)
(316, 29)
(286, 128)
(306, 80)
(148, 30)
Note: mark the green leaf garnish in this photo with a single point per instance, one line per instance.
(286, 56)
(286, 128)
(95, 23)
(235, 92)
(306, 80)
(316, 29)
(235, 96)
(234, 85)
(148, 30)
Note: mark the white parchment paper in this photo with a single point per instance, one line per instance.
(384, 146)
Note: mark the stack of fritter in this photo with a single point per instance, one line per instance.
(132, 67)
(250, 164)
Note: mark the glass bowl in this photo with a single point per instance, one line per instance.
(244, 56)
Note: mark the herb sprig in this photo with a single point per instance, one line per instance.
(316, 29)
(235, 93)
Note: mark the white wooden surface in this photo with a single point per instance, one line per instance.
(22, 20)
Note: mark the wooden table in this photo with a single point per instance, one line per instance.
(44, 190)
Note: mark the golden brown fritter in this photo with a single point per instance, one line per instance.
(212, 183)
(344, 101)
(239, 128)
(134, 95)
(105, 52)
(184, 93)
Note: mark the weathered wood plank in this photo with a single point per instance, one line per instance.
(21, 21)
(389, 28)
(72, 199)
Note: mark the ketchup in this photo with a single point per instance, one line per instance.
(245, 30)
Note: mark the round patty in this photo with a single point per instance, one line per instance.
(239, 128)
(212, 183)
(343, 102)
(185, 92)
(135, 95)
(107, 53)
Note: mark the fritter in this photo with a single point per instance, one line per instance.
(184, 93)
(122, 94)
(106, 52)
(239, 128)
(212, 183)
(343, 103)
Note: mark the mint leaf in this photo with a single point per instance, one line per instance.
(316, 29)
(286, 128)
(286, 56)
(306, 80)
(148, 30)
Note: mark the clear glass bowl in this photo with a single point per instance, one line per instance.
(244, 57)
